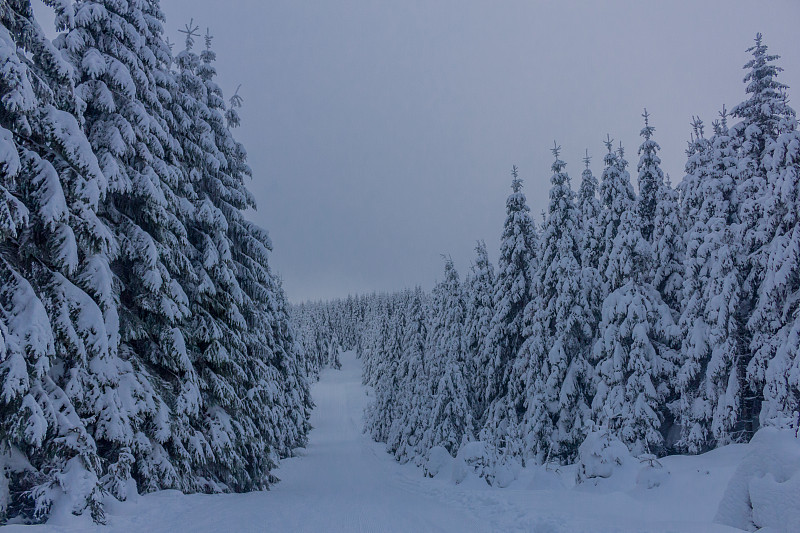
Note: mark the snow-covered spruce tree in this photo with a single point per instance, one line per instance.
(389, 415)
(591, 237)
(450, 423)
(763, 116)
(305, 332)
(590, 209)
(412, 403)
(326, 335)
(617, 198)
(634, 361)
(237, 450)
(479, 312)
(67, 399)
(121, 63)
(691, 200)
(272, 360)
(708, 381)
(651, 179)
(375, 346)
(368, 337)
(668, 248)
(288, 428)
(690, 188)
(775, 322)
(658, 211)
(556, 376)
(315, 336)
(380, 413)
(512, 292)
(356, 314)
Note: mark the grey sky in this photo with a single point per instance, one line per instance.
(382, 134)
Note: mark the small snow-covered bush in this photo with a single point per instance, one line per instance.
(438, 459)
(600, 454)
(764, 492)
(503, 473)
(484, 460)
(473, 457)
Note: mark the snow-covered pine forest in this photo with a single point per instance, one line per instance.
(143, 337)
(639, 313)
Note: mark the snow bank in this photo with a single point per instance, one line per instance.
(764, 492)
(546, 477)
(652, 474)
(479, 461)
(475, 462)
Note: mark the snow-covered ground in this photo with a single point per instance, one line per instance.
(345, 482)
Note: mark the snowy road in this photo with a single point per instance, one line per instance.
(346, 482)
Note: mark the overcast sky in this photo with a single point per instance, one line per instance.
(382, 134)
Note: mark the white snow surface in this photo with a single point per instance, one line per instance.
(764, 492)
(345, 482)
